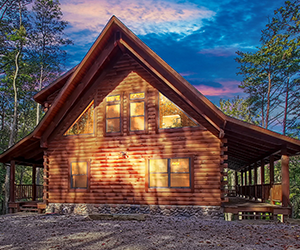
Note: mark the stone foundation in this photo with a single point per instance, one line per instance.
(205, 212)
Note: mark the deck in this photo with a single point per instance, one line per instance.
(242, 208)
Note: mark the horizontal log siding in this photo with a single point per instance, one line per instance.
(118, 180)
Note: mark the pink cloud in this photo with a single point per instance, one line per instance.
(142, 16)
(220, 51)
(228, 89)
(187, 73)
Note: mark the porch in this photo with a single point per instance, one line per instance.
(24, 197)
(242, 208)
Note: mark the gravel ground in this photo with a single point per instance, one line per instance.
(32, 231)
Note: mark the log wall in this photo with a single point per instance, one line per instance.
(115, 179)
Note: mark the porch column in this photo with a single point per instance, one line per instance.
(33, 182)
(262, 179)
(236, 183)
(285, 182)
(271, 170)
(255, 180)
(251, 194)
(242, 184)
(12, 184)
(246, 183)
(271, 165)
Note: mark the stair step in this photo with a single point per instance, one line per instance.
(29, 209)
(32, 205)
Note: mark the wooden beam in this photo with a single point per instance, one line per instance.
(250, 176)
(262, 171)
(285, 180)
(271, 169)
(33, 182)
(12, 181)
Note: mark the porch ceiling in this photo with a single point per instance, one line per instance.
(249, 144)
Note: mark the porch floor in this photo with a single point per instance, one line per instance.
(246, 207)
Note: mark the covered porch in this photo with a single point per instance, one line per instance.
(253, 153)
(24, 197)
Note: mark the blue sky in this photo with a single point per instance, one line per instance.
(197, 38)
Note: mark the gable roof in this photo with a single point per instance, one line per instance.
(246, 143)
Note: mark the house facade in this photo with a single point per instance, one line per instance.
(124, 133)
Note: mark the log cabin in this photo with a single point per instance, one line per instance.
(123, 132)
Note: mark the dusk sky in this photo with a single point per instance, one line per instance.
(197, 38)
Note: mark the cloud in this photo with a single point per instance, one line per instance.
(141, 16)
(228, 88)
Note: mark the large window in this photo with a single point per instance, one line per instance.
(137, 111)
(171, 116)
(79, 175)
(84, 124)
(113, 114)
(169, 173)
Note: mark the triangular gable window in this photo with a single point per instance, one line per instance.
(84, 123)
(171, 116)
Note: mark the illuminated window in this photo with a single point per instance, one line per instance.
(113, 114)
(137, 111)
(79, 175)
(169, 173)
(171, 116)
(84, 123)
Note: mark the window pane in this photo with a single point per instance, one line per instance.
(113, 125)
(113, 98)
(79, 168)
(137, 96)
(180, 165)
(171, 116)
(137, 123)
(158, 165)
(84, 124)
(113, 111)
(137, 108)
(158, 180)
(79, 181)
(180, 180)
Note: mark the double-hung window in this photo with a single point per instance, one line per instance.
(169, 173)
(137, 111)
(79, 175)
(113, 114)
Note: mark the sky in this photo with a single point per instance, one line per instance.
(199, 39)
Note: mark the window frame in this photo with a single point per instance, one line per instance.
(189, 189)
(120, 117)
(80, 115)
(136, 100)
(174, 129)
(78, 189)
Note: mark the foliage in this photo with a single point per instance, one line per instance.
(32, 55)
(238, 108)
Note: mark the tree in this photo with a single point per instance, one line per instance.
(238, 108)
(47, 40)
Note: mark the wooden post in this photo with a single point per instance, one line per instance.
(242, 177)
(271, 165)
(262, 179)
(33, 182)
(250, 183)
(285, 179)
(246, 184)
(236, 183)
(255, 180)
(12, 184)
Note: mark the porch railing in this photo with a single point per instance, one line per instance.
(28, 192)
(263, 192)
